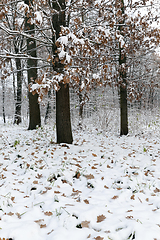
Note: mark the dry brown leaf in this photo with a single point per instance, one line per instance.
(43, 225)
(100, 218)
(57, 192)
(129, 217)
(77, 165)
(85, 224)
(12, 198)
(39, 221)
(35, 182)
(48, 188)
(99, 238)
(133, 197)
(10, 214)
(106, 187)
(89, 176)
(110, 212)
(75, 192)
(115, 197)
(140, 200)
(94, 155)
(18, 215)
(50, 232)
(157, 190)
(93, 167)
(48, 213)
(86, 201)
(154, 209)
(43, 192)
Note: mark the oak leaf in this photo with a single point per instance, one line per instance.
(100, 218)
(99, 238)
(86, 201)
(89, 176)
(94, 155)
(48, 213)
(85, 224)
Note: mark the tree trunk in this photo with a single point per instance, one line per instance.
(34, 108)
(17, 116)
(48, 110)
(63, 122)
(3, 101)
(123, 87)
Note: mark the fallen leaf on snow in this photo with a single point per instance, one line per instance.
(10, 214)
(89, 176)
(157, 190)
(48, 213)
(43, 225)
(35, 182)
(100, 218)
(129, 217)
(85, 224)
(99, 238)
(50, 232)
(94, 155)
(86, 201)
(115, 197)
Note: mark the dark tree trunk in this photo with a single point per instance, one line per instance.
(34, 108)
(80, 101)
(3, 101)
(48, 110)
(17, 117)
(123, 87)
(63, 122)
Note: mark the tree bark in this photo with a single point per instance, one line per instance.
(63, 122)
(3, 101)
(17, 116)
(123, 87)
(34, 108)
(48, 110)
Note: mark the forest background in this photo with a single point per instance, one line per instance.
(105, 51)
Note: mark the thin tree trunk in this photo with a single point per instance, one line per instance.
(17, 117)
(34, 108)
(3, 100)
(80, 101)
(48, 110)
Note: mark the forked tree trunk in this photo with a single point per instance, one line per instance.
(63, 122)
(34, 108)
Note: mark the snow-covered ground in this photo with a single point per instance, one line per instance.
(101, 187)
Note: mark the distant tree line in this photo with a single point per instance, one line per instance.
(81, 44)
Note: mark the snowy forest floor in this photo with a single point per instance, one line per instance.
(101, 187)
